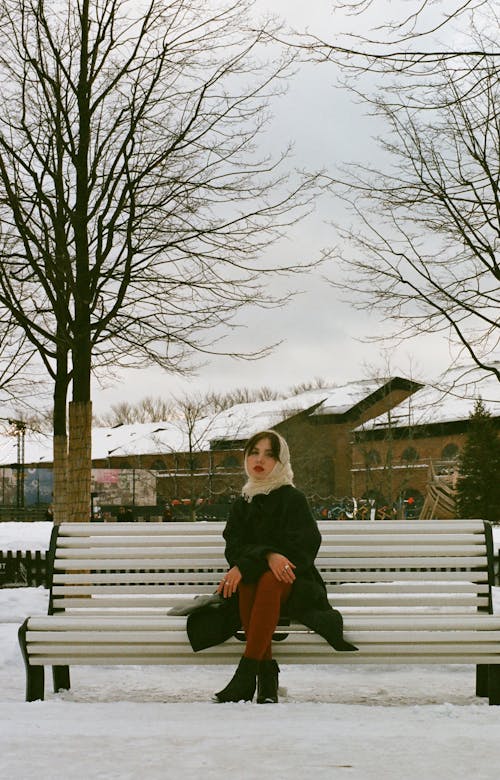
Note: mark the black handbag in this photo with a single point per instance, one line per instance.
(212, 601)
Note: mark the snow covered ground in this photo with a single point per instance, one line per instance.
(156, 723)
(25, 536)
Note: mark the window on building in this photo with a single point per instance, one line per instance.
(189, 462)
(450, 452)
(186, 462)
(410, 455)
(227, 444)
(372, 458)
(231, 462)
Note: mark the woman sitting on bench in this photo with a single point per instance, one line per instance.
(271, 543)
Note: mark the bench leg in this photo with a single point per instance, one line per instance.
(482, 680)
(60, 676)
(35, 676)
(494, 684)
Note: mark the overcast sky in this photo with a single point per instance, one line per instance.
(321, 335)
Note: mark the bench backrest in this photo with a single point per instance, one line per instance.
(368, 566)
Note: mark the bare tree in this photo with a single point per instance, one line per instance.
(405, 39)
(318, 383)
(21, 379)
(136, 208)
(423, 245)
(189, 407)
(149, 409)
(241, 395)
(425, 248)
(194, 469)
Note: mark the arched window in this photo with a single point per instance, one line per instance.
(410, 455)
(374, 495)
(230, 462)
(187, 462)
(193, 462)
(372, 458)
(450, 452)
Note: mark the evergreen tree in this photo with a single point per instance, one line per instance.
(478, 488)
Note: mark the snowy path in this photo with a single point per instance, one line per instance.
(359, 723)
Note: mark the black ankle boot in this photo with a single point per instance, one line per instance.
(267, 682)
(242, 685)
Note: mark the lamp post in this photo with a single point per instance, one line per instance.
(19, 427)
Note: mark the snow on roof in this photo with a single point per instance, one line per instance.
(436, 404)
(137, 439)
(37, 448)
(241, 421)
(237, 423)
(341, 399)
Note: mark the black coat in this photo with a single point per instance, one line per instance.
(278, 522)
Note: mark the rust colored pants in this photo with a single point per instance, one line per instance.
(260, 606)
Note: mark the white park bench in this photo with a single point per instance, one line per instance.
(411, 592)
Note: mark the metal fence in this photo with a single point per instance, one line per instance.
(28, 514)
(23, 568)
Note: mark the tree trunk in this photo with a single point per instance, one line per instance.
(80, 408)
(60, 479)
(80, 460)
(60, 442)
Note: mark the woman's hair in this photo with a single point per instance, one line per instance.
(273, 438)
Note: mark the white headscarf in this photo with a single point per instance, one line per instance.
(281, 474)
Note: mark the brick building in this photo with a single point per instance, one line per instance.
(414, 448)
(321, 438)
(379, 438)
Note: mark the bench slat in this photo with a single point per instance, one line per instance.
(185, 554)
(131, 563)
(407, 561)
(472, 621)
(144, 554)
(417, 600)
(216, 527)
(193, 542)
(337, 562)
(232, 655)
(354, 576)
(398, 588)
(398, 638)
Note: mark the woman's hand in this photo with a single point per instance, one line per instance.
(281, 567)
(229, 583)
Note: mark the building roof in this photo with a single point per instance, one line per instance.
(239, 422)
(37, 448)
(346, 398)
(433, 404)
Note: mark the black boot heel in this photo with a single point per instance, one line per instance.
(267, 682)
(241, 687)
